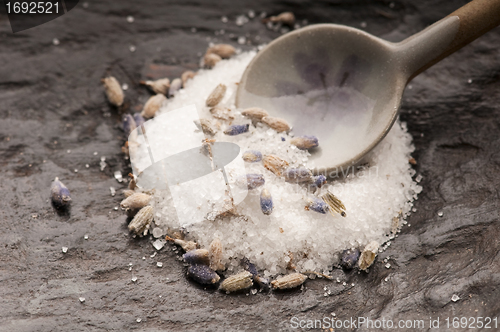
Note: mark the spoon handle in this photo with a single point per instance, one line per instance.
(449, 35)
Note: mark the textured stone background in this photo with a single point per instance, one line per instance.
(51, 100)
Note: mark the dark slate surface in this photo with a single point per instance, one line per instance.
(52, 101)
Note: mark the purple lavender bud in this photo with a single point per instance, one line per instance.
(128, 124)
(252, 181)
(60, 194)
(252, 156)
(349, 258)
(266, 202)
(317, 204)
(283, 139)
(202, 274)
(299, 175)
(250, 267)
(263, 283)
(236, 129)
(319, 180)
(197, 256)
(139, 120)
(305, 142)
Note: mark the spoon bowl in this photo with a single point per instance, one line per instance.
(344, 85)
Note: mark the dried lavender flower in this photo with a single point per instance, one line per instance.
(160, 86)
(59, 194)
(113, 91)
(225, 51)
(305, 142)
(152, 106)
(255, 113)
(349, 258)
(252, 156)
(141, 222)
(216, 95)
(197, 256)
(277, 124)
(210, 60)
(316, 204)
(202, 274)
(240, 281)
(236, 129)
(289, 281)
(368, 255)
(187, 75)
(266, 201)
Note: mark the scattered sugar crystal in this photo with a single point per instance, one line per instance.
(158, 244)
(241, 20)
(157, 232)
(440, 213)
(363, 24)
(118, 176)
(115, 208)
(153, 255)
(373, 198)
(102, 163)
(469, 81)
(55, 41)
(68, 151)
(132, 48)
(455, 298)
(159, 264)
(64, 250)
(344, 283)
(124, 86)
(242, 40)
(81, 299)
(251, 13)
(130, 19)
(134, 279)
(253, 291)
(85, 4)
(224, 19)
(75, 170)
(86, 237)
(112, 190)
(138, 320)
(388, 265)
(418, 178)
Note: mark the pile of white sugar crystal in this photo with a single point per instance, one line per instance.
(377, 199)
